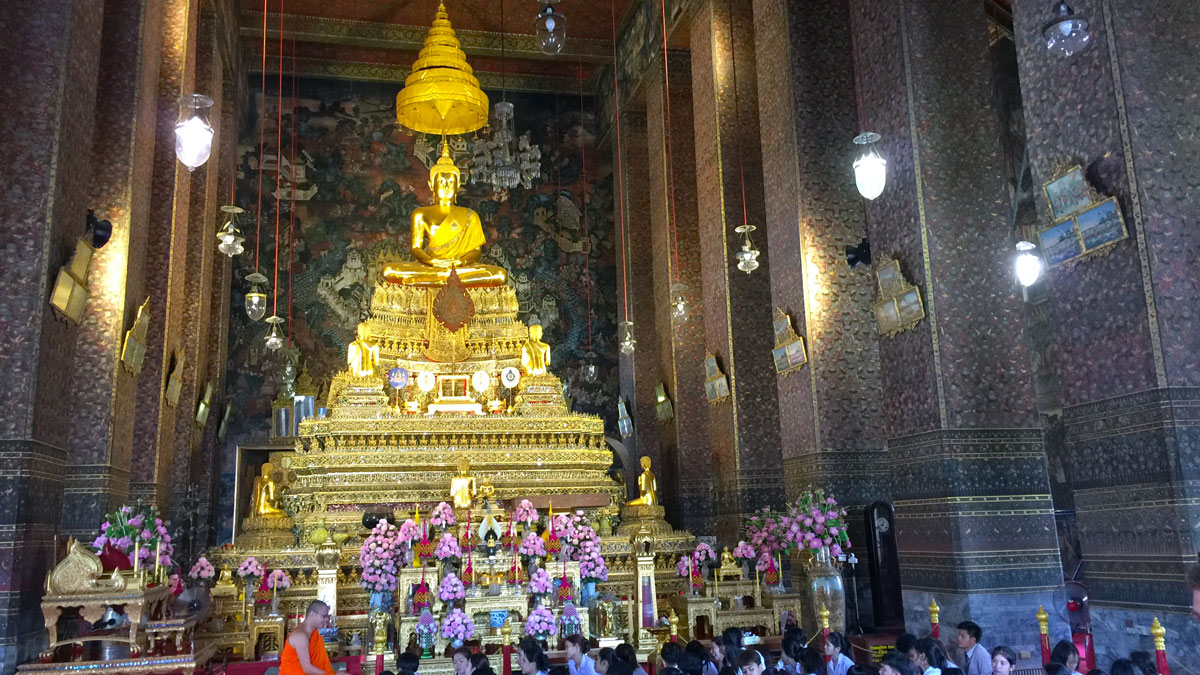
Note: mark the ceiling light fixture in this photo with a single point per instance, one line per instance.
(230, 237)
(193, 133)
(870, 169)
(1067, 33)
(1027, 264)
(551, 27)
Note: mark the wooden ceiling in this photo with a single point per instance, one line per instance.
(378, 39)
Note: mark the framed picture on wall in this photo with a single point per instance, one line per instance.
(1060, 243)
(1068, 194)
(1101, 225)
(891, 280)
(909, 307)
(887, 317)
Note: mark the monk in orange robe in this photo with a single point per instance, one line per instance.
(304, 652)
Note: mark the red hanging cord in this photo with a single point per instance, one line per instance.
(262, 115)
(292, 197)
(737, 110)
(670, 143)
(587, 242)
(612, 10)
(278, 165)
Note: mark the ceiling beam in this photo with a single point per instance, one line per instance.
(412, 38)
(384, 72)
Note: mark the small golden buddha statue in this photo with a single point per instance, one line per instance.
(362, 355)
(727, 559)
(647, 487)
(462, 486)
(486, 489)
(263, 498)
(445, 236)
(535, 354)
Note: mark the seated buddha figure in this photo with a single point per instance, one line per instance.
(263, 497)
(647, 486)
(445, 237)
(535, 354)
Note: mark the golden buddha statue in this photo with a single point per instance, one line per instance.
(362, 355)
(727, 559)
(535, 354)
(647, 487)
(263, 499)
(445, 236)
(486, 489)
(462, 486)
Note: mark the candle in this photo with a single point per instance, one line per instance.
(157, 557)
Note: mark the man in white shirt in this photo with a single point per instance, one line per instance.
(976, 659)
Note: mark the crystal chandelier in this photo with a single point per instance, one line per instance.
(1067, 33)
(627, 343)
(256, 300)
(230, 237)
(747, 255)
(679, 310)
(274, 338)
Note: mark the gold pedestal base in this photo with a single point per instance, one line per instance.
(266, 532)
(540, 395)
(634, 518)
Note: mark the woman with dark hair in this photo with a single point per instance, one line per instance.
(1066, 654)
(1124, 667)
(480, 665)
(1053, 668)
(531, 659)
(791, 650)
(700, 652)
(731, 650)
(838, 662)
(895, 663)
(628, 654)
(812, 663)
(928, 656)
(461, 661)
(605, 658)
(1004, 660)
(1144, 662)
(578, 661)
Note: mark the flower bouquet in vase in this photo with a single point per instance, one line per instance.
(540, 584)
(133, 537)
(457, 627)
(525, 515)
(277, 580)
(745, 554)
(203, 573)
(540, 623)
(250, 571)
(532, 550)
(448, 552)
(380, 557)
(451, 590)
(442, 517)
(426, 630)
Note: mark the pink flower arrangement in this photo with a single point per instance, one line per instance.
(443, 516)
(540, 623)
(278, 580)
(525, 513)
(539, 583)
(409, 532)
(137, 528)
(703, 553)
(683, 568)
(381, 556)
(533, 545)
(593, 569)
(458, 626)
(448, 549)
(744, 551)
(813, 522)
(250, 567)
(202, 570)
(451, 588)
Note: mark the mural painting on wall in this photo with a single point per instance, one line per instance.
(356, 178)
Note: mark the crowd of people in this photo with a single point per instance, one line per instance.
(304, 654)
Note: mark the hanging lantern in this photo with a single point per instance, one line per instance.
(256, 300)
(870, 169)
(551, 28)
(627, 343)
(1067, 33)
(1027, 264)
(193, 133)
(747, 256)
(274, 338)
(230, 237)
(679, 310)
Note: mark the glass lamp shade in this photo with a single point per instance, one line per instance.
(870, 169)
(230, 237)
(1027, 264)
(274, 338)
(256, 300)
(193, 133)
(1067, 34)
(627, 343)
(551, 30)
(747, 256)
(679, 311)
(589, 372)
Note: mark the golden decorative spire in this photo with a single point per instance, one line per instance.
(442, 95)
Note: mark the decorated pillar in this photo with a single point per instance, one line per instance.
(684, 437)
(159, 387)
(639, 369)
(744, 405)
(1114, 110)
(122, 146)
(973, 512)
(48, 60)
